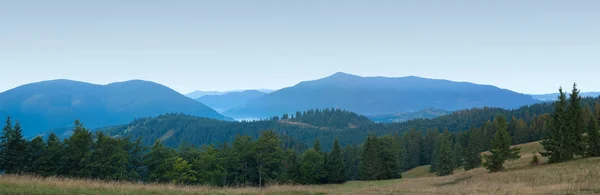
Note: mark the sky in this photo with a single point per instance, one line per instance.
(528, 46)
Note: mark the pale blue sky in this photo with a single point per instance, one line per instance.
(529, 46)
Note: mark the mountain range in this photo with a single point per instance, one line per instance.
(226, 101)
(199, 93)
(379, 95)
(57, 104)
(553, 96)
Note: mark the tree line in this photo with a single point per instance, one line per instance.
(569, 132)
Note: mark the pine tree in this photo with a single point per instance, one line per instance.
(12, 149)
(352, 157)
(457, 154)
(267, 155)
(500, 151)
(555, 144)
(428, 146)
(336, 172)
(290, 168)
(593, 137)
(34, 151)
(109, 158)
(159, 162)
(473, 153)
(597, 109)
(51, 158)
(317, 145)
(576, 124)
(78, 152)
(209, 167)
(312, 167)
(388, 158)
(444, 158)
(370, 164)
(6, 158)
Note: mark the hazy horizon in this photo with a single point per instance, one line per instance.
(530, 47)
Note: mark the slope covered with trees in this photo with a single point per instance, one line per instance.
(272, 157)
(56, 104)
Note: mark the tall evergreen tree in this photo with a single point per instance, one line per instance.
(370, 164)
(576, 124)
(12, 149)
(593, 137)
(267, 155)
(352, 157)
(597, 109)
(388, 157)
(500, 151)
(317, 145)
(50, 160)
(312, 167)
(473, 151)
(457, 154)
(444, 158)
(109, 158)
(159, 162)
(78, 152)
(336, 172)
(34, 151)
(555, 141)
(209, 167)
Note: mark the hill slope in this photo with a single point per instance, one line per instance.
(406, 116)
(379, 95)
(230, 100)
(56, 104)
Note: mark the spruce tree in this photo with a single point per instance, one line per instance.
(51, 158)
(317, 145)
(576, 124)
(6, 157)
(473, 151)
(556, 138)
(457, 154)
(444, 158)
(593, 137)
(370, 164)
(597, 109)
(159, 162)
(336, 172)
(312, 165)
(34, 151)
(388, 157)
(500, 151)
(78, 152)
(12, 150)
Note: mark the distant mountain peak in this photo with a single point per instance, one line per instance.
(343, 75)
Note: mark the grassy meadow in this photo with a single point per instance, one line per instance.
(576, 177)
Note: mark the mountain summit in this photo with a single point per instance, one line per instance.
(57, 103)
(379, 95)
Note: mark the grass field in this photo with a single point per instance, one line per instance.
(576, 177)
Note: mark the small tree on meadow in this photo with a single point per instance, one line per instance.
(500, 151)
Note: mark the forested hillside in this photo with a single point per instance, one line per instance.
(257, 156)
